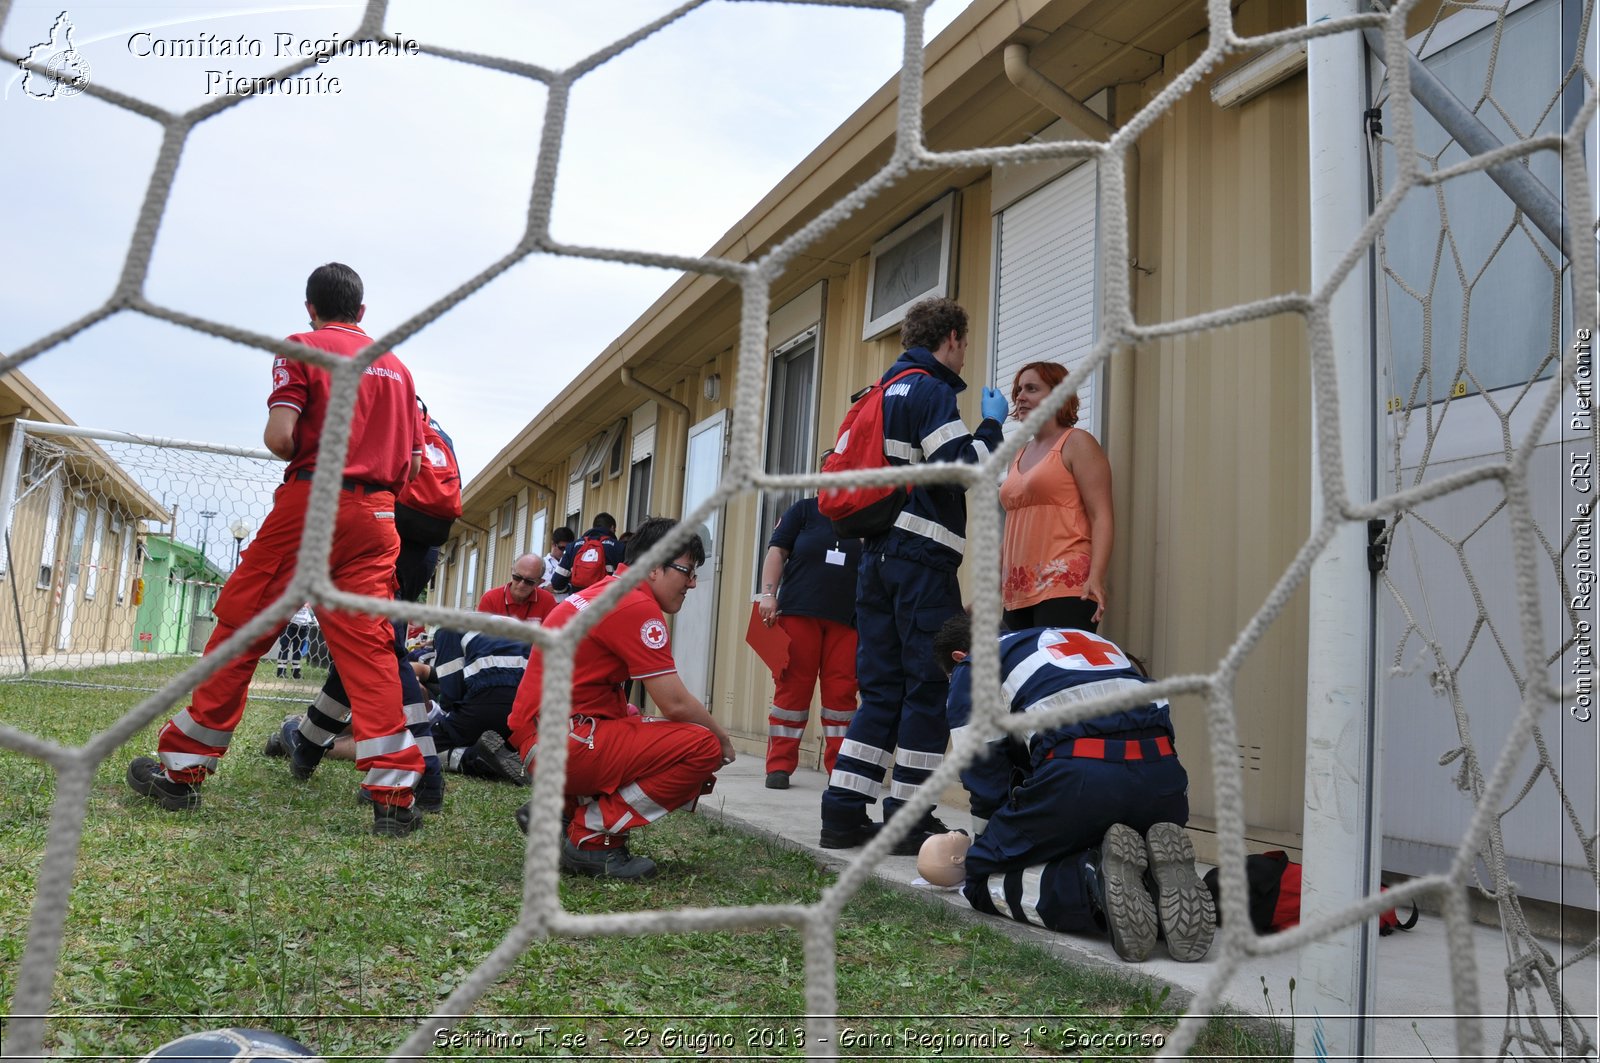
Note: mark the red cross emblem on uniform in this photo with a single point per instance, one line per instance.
(1098, 653)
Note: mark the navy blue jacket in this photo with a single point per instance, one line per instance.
(810, 585)
(467, 664)
(922, 424)
(561, 578)
(1042, 668)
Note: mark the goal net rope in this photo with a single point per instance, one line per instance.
(1493, 778)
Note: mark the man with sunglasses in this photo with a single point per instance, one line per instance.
(521, 597)
(625, 770)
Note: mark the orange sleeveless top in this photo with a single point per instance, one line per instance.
(1046, 549)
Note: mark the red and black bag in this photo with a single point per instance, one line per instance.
(863, 512)
(430, 501)
(1274, 882)
(589, 564)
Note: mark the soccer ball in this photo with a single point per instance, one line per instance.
(234, 1043)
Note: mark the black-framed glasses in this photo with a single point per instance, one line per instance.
(522, 579)
(685, 569)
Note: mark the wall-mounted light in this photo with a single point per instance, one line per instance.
(1259, 74)
(711, 388)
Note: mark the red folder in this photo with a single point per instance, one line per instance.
(770, 643)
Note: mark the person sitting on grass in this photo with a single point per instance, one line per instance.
(478, 675)
(624, 770)
(1095, 809)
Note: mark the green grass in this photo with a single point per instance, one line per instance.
(272, 900)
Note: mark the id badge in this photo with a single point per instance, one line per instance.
(835, 556)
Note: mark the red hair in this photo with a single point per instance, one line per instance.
(1052, 374)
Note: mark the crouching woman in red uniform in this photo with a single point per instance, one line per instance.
(624, 771)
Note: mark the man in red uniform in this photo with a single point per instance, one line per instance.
(624, 771)
(385, 449)
(521, 598)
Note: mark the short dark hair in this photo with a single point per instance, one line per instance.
(956, 634)
(605, 521)
(563, 535)
(653, 531)
(335, 292)
(928, 323)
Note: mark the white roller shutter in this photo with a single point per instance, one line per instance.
(1045, 284)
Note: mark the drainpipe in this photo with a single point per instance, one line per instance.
(1118, 434)
(511, 470)
(660, 396)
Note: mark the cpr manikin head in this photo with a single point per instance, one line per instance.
(943, 859)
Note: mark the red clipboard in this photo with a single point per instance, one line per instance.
(770, 643)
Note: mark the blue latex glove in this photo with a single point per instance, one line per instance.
(994, 405)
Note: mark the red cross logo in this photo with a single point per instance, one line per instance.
(1098, 653)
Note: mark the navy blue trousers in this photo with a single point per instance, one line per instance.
(1057, 818)
(900, 606)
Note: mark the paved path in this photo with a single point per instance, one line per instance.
(1413, 968)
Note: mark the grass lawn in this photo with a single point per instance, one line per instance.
(272, 903)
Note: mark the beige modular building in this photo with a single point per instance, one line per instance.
(69, 588)
(1209, 434)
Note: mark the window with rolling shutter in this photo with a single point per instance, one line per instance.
(1046, 281)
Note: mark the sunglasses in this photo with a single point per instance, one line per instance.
(522, 579)
(685, 569)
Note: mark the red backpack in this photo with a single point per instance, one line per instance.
(863, 512)
(1274, 882)
(436, 489)
(589, 564)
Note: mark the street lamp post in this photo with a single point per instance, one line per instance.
(241, 532)
(207, 515)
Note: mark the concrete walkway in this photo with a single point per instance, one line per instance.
(1413, 968)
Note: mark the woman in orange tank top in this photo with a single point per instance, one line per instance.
(1057, 498)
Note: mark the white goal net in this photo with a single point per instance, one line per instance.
(1486, 569)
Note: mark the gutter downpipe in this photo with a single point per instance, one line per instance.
(1118, 433)
(662, 397)
(511, 470)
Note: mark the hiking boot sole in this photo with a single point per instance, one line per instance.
(494, 754)
(1184, 908)
(1130, 912)
(143, 781)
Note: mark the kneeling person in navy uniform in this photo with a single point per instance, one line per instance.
(1094, 809)
(623, 770)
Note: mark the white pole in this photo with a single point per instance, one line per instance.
(1334, 992)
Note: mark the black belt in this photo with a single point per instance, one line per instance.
(353, 486)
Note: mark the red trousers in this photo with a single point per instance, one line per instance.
(362, 562)
(817, 648)
(633, 771)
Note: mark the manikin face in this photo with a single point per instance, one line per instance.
(671, 583)
(1027, 393)
(525, 576)
(943, 858)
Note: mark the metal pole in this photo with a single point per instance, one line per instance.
(8, 484)
(1335, 988)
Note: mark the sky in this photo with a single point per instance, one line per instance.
(417, 172)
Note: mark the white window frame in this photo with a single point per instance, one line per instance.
(124, 560)
(52, 532)
(1090, 414)
(91, 578)
(879, 320)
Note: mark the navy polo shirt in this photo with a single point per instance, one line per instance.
(811, 585)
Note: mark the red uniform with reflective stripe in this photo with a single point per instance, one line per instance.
(498, 600)
(381, 444)
(361, 561)
(622, 771)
